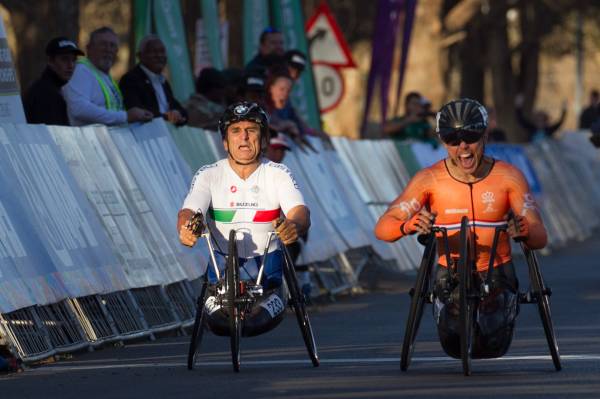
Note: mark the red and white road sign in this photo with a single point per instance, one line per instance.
(326, 42)
(330, 86)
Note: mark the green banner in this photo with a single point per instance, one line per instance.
(212, 29)
(142, 13)
(169, 27)
(256, 19)
(288, 17)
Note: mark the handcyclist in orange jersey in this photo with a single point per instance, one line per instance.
(469, 183)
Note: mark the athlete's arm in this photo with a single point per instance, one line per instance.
(406, 215)
(295, 224)
(527, 218)
(197, 200)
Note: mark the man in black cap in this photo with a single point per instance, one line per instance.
(43, 102)
(296, 63)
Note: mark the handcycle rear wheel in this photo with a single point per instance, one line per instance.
(465, 276)
(233, 306)
(298, 303)
(419, 296)
(198, 329)
(543, 301)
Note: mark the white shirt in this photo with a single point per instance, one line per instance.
(85, 101)
(157, 81)
(248, 206)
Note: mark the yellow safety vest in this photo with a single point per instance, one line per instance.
(114, 101)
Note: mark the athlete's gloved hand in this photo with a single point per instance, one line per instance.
(518, 227)
(286, 230)
(421, 223)
(191, 226)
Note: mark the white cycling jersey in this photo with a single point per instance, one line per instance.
(248, 206)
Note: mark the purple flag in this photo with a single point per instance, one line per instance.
(389, 16)
(409, 19)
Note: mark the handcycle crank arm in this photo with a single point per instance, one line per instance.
(266, 254)
(211, 250)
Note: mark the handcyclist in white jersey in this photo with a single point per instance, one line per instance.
(254, 196)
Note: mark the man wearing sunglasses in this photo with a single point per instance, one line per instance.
(469, 183)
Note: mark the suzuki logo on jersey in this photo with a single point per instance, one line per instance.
(233, 189)
(488, 199)
(246, 204)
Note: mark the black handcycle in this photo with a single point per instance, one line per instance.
(239, 297)
(471, 290)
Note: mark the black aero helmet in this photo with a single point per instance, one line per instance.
(245, 111)
(461, 115)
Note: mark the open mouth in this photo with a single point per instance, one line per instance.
(467, 161)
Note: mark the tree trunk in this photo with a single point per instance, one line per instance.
(235, 51)
(503, 80)
(34, 26)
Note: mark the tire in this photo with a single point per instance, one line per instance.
(543, 301)
(465, 268)
(297, 301)
(233, 307)
(198, 329)
(419, 296)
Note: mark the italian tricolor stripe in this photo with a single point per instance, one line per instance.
(222, 215)
(266, 216)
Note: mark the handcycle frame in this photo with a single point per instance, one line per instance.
(239, 296)
(422, 293)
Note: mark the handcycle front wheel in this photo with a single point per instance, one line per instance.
(419, 297)
(467, 308)
(198, 329)
(541, 295)
(298, 303)
(233, 307)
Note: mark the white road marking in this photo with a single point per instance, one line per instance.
(344, 361)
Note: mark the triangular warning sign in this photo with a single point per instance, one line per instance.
(326, 43)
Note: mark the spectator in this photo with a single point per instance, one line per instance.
(206, 106)
(591, 112)
(296, 63)
(43, 102)
(493, 132)
(278, 145)
(253, 89)
(233, 81)
(145, 86)
(413, 124)
(283, 116)
(539, 127)
(92, 96)
(270, 51)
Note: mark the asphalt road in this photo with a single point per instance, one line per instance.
(359, 341)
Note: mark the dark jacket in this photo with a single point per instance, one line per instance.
(138, 92)
(43, 101)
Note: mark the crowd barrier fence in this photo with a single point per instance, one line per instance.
(89, 253)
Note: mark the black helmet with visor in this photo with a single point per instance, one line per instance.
(246, 111)
(461, 120)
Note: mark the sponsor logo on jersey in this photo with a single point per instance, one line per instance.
(255, 189)
(233, 189)
(409, 207)
(488, 199)
(454, 211)
(246, 204)
(286, 170)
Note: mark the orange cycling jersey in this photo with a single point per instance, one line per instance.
(485, 202)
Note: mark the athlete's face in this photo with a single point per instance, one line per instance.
(243, 142)
(466, 157)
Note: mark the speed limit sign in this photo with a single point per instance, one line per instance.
(330, 86)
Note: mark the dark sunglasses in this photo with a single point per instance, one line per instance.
(455, 137)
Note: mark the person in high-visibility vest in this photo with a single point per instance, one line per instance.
(92, 96)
